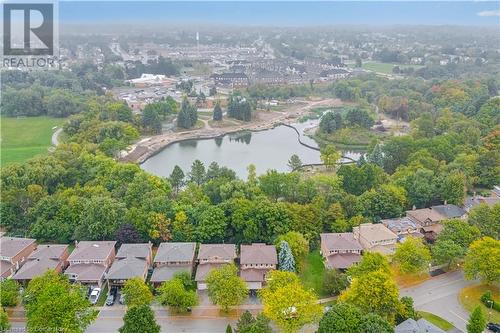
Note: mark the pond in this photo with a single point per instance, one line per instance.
(269, 149)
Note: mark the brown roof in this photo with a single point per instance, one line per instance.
(92, 250)
(421, 215)
(172, 252)
(258, 253)
(11, 246)
(52, 251)
(217, 251)
(254, 274)
(340, 241)
(343, 260)
(44, 258)
(127, 268)
(5, 266)
(436, 228)
(203, 270)
(87, 272)
(374, 232)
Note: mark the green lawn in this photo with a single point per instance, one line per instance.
(23, 138)
(385, 68)
(313, 273)
(470, 298)
(436, 320)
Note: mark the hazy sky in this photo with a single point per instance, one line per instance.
(285, 12)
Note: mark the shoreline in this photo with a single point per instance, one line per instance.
(150, 146)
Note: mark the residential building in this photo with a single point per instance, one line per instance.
(172, 258)
(417, 326)
(450, 211)
(403, 227)
(89, 261)
(376, 238)
(340, 250)
(476, 200)
(45, 257)
(255, 261)
(13, 254)
(429, 221)
(231, 79)
(212, 256)
(132, 260)
(335, 74)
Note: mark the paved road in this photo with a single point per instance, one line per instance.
(439, 295)
(55, 136)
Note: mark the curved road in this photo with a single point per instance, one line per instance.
(439, 295)
(55, 136)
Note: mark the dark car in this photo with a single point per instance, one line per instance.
(493, 327)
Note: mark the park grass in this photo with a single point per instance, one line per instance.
(385, 68)
(408, 280)
(313, 273)
(350, 138)
(24, 138)
(470, 298)
(436, 320)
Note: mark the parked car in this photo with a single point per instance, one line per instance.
(122, 299)
(495, 328)
(94, 295)
(110, 300)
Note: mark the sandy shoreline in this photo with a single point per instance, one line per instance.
(147, 147)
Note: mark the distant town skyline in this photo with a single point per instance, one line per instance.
(284, 13)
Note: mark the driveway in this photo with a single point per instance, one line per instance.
(439, 295)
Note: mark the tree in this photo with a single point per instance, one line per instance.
(298, 245)
(54, 304)
(177, 294)
(370, 262)
(334, 282)
(4, 321)
(198, 173)
(384, 202)
(217, 112)
(188, 115)
(248, 324)
(483, 260)
(9, 295)
(329, 156)
(486, 219)
(406, 310)
(229, 329)
(136, 292)
(127, 233)
(446, 251)
(372, 323)
(374, 292)
(452, 188)
(412, 255)
(177, 178)
(342, 317)
(460, 232)
(376, 156)
(285, 258)
(139, 318)
(477, 321)
(287, 303)
(294, 162)
(225, 287)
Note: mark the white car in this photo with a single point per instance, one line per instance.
(94, 295)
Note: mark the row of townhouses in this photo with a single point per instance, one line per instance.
(95, 263)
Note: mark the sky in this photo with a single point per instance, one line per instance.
(284, 13)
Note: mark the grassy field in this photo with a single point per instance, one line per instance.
(313, 273)
(385, 68)
(436, 320)
(23, 138)
(349, 138)
(408, 280)
(470, 298)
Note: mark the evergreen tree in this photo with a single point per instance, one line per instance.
(229, 329)
(188, 115)
(285, 258)
(177, 178)
(477, 321)
(376, 156)
(217, 112)
(197, 173)
(294, 162)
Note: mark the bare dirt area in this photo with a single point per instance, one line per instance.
(147, 147)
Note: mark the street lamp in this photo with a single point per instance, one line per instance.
(491, 306)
